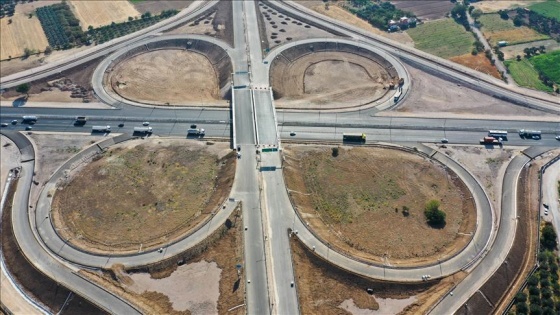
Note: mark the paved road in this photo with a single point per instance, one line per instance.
(42, 259)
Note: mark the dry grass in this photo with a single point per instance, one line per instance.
(142, 195)
(517, 35)
(495, 6)
(23, 32)
(363, 191)
(160, 77)
(98, 13)
(479, 63)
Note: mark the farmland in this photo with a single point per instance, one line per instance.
(99, 13)
(548, 64)
(22, 32)
(61, 26)
(496, 29)
(425, 9)
(525, 75)
(549, 9)
(477, 62)
(443, 38)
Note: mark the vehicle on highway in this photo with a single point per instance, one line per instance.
(29, 119)
(354, 137)
(28, 127)
(80, 120)
(292, 133)
(101, 129)
(533, 134)
(545, 211)
(143, 130)
(489, 140)
(193, 126)
(146, 123)
(397, 95)
(14, 122)
(238, 148)
(444, 140)
(238, 155)
(4, 125)
(557, 138)
(498, 134)
(121, 125)
(195, 132)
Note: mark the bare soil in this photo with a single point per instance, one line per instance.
(478, 63)
(425, 9)
(37, 285)
(225, 252)
(166, 77)
(280, 29)
(349, 200)
(436, 96)
(217, 23)
(156, 6)
(324, 288)
(152, 193)
(329, 79)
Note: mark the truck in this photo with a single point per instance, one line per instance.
(101, 129)
(143, 130)
(489, 140)
(354, 137)
(80, 120)
(533, 134)
(195, 132)
(29, 119)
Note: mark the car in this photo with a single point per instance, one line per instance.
(444, 140)
(292, 133)
(193, 126)
(557, 138)
(146, 123)
(4, 125)
(121, 125)
(238, 148)
(14, 122)
(28, 128)
(238, 155)
(545, 212)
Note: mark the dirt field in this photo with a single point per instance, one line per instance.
(280, 29)
(166, 76)
(141, 201)
(156, 6)
(341, 14)
(99, 13)
(329, 79)
(367, 189)
(435, 96)
(23, 32)
(326, 289)
(425, 9)
(212, 271)
(489, 6)
(479, 63)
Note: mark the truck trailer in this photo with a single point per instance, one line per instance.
(195, 132)
(489, 140)
(143, 130)
(354, 137)
(101, 129)
(534, 134)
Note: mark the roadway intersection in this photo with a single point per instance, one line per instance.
(253, 123)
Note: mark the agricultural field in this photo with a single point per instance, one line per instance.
(100, 13)
(492, 6)
(61, 26)
(548, 64)
(477, 62)
(443, 38)
(425, 9)
(496, 29)
(525, 74)
(156, 6)
(151, 192)
(19, 32)
(550, 8)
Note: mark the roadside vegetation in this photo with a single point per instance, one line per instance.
(536, 69)
(524, 74)
(548, 65)
(378, 14)
(542, 294)
(443, 38)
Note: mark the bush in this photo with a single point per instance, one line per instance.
(434, 215)
(335, 152)
(533, 280)
(521, 297)
(548, 237)
(522, 308)
(23, 88)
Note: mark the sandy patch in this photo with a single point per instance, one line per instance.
(193, 287)
(386, 306)
(99, 13)
(10, 158)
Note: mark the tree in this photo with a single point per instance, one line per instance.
(23, 89)
(130, 18)
(476, 13)
(518, 57)
(522, 308)
(521, 297)
(535, 309)
(48, 50)
(518, 21)
(503, 14)
(335, 152)
(548, 237)
(434, 215)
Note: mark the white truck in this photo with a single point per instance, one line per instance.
(101, 129)
(143, 130)
(195, 132)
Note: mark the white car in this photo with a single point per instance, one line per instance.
(4, 125)
(557, 138)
